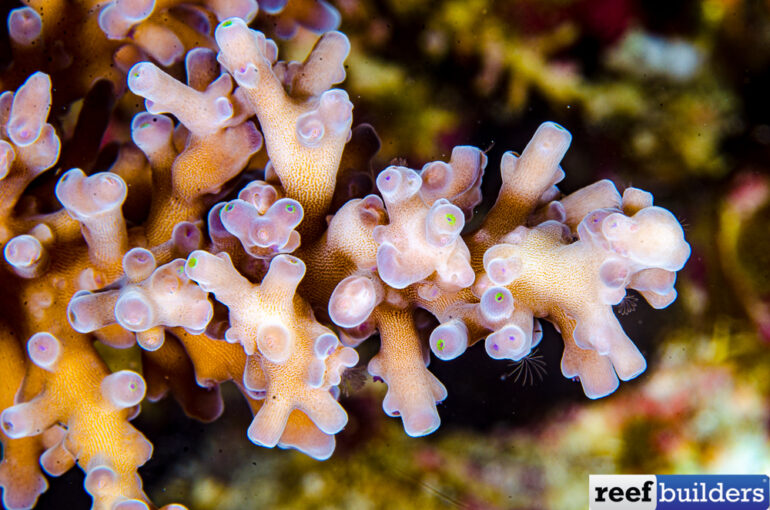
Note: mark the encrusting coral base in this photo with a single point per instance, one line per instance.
(274, 289)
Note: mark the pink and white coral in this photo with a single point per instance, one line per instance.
(298, 282)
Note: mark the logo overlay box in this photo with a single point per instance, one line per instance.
(678, 492)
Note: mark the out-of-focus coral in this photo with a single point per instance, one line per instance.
(213, 261)
(743, 246)
(662, 97)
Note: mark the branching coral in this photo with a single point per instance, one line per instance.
(274, 289)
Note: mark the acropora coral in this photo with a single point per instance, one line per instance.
(217, 261)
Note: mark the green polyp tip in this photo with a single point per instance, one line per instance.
(227, 23)
(180, 269)
(136, 75)
(229, 207)
(192, 262)
(290, 208)
(293, 260)
(440, 344)
(499, 296)
(450, 218)
(144, 125)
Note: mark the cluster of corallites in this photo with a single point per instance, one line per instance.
(271, 283)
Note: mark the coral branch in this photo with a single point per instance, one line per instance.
(413, 392)
(304, 135)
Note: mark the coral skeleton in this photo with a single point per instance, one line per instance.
(216, 261)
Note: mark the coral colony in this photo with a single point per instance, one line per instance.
(275, 287)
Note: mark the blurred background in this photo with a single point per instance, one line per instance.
(668, 96)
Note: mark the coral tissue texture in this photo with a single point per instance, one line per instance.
(240, 234)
